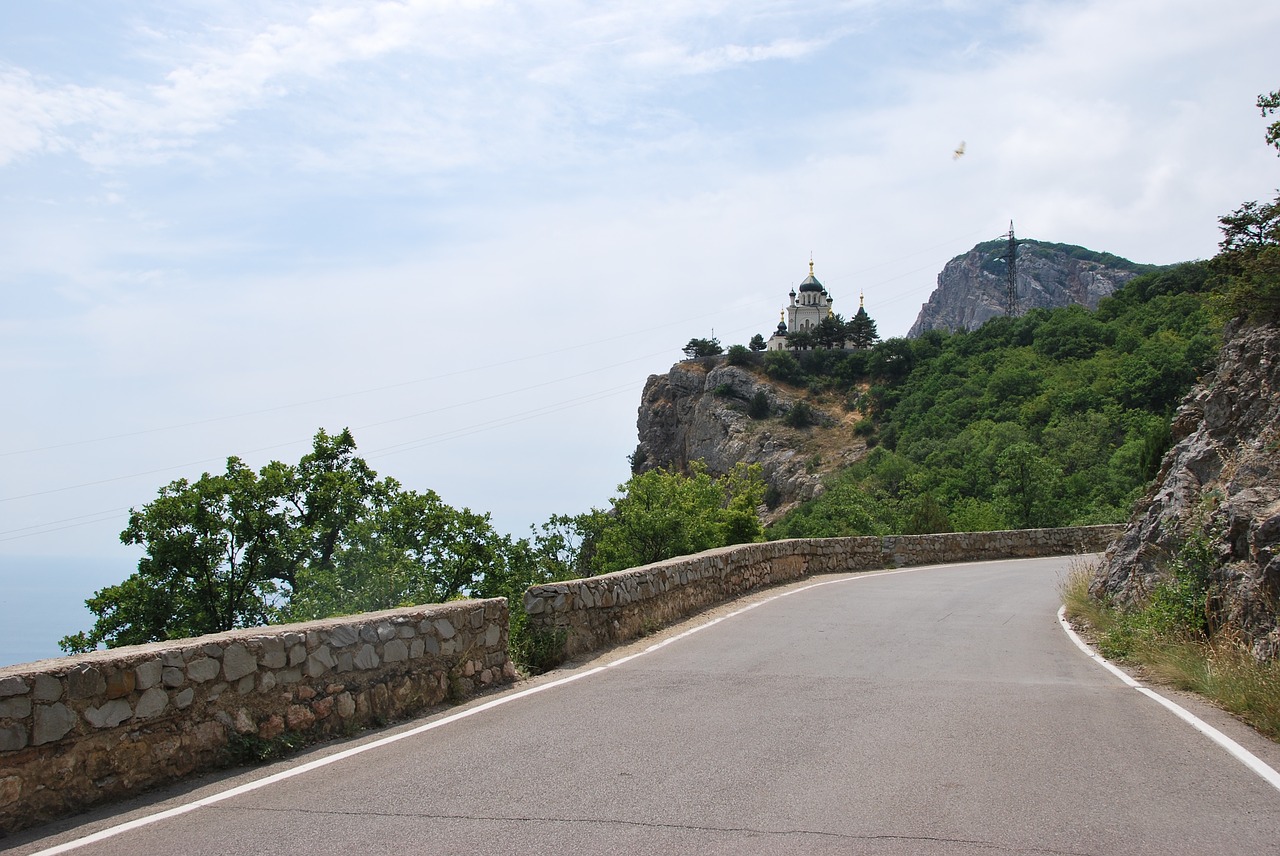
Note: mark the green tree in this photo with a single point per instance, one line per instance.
(211, 548)
(703, 348)
(830, 332)
(324, 537)
(862, 330)
(739, 355)
(661, 514)
(1269, 104)
(757, 343)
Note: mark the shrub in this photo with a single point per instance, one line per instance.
(740, 355)
(799, 416)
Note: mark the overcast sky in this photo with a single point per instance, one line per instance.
(470, 230)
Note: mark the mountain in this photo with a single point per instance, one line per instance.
(701, 410)
(972, 288)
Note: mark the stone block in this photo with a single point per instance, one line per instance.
(346, 706)
(297, 654)
(404, 631)
(212, 649)
(173, 676)
(367, 658)
(109, 715)
(299, 717)
(51, 722)
(148, 674)
(152, 703)
(13, 738)
(121, 683)
(46, 688)
(385, 632)
(15, 708)
(395, 651)
(289, 676)
(203, 669)
(272, 727)
(416, 649)
(85, 682)
(238, 661)
(183, 699)
(12, 686)
(444, 628)
(246, 684)
(341, 637)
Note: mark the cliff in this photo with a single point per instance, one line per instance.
(699, 411)
(972, 287)
(1219, 485)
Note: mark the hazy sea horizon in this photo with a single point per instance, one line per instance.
(42, 600)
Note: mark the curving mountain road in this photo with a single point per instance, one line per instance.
(929, 711)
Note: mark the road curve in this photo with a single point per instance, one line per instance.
(932, 711)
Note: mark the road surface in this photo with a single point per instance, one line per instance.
(928, 711)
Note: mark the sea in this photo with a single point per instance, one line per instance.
(42, 600)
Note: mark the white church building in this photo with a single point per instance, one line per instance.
(807, 309)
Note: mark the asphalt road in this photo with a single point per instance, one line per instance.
(939, 710)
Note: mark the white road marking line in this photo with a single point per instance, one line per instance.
(1241, 754)
(127, 826)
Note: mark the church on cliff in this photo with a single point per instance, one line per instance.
(809, 306)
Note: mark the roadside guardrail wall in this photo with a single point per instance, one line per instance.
(80, 730)
(579, 616)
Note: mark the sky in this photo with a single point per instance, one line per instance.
(469, 231)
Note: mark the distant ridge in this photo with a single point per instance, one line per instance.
(971, 287)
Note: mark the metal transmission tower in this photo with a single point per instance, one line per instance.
(1011, 274)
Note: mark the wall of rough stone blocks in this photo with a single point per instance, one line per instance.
(583, 615)
(79, 730)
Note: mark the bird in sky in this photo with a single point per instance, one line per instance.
(959, 152)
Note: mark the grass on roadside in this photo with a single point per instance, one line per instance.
(1182, 655)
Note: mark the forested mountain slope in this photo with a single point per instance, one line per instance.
(1055, 418)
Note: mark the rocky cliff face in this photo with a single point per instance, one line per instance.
(698, 412)
(971, 288)
(1220, 482)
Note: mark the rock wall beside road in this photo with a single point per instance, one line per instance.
(79, 730)
(584, 615)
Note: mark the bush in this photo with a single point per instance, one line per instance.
(759, 407)
(799, 416)
(740, 355)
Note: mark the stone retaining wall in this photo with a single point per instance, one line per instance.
(587, 614)
(79, 730)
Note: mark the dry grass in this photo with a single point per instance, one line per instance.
(1222, 670)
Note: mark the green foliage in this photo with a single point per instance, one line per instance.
(1055, 418)
(661, 514)
(1268, 104)
(800, 415)
(740, 355)
(323, 537)
(757, 343)
(783, 366)
(758, 407)
(1248, 265)
(703, 348)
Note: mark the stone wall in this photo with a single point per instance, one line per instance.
(79, 730)
(583, 615)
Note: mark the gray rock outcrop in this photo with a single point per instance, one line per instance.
(1220, 482)
(972, 287)
(698, 412)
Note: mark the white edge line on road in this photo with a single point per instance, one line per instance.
(127, 826)
(1241, 754)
